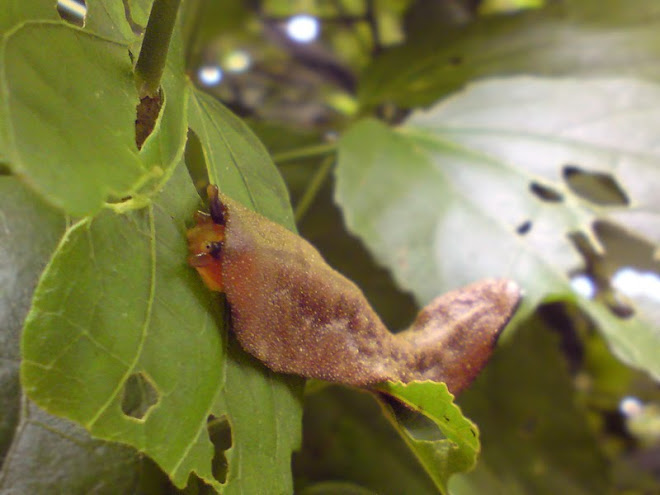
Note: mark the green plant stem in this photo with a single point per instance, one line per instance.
(153, 55)
(302, 153)
(313, 188)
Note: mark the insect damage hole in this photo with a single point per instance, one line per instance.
(219, 431)
(597, 187)
(140, 396)
(524, 227)
(545, 193)
(72, 11)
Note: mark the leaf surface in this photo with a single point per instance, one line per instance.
(93, 155)
(477, 187)
(346, 437)
(236, 160)
(445, 445)
(118, 300)
(259, 460)
(39, 451)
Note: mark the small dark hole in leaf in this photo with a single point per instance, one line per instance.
(598, 187)
(456, 60)
(146, 115)
(196, 163)
(72, 11)
(219, 431)
(474, 433)
(545, 193)
(524, 227)
(139, 396)
(446, 418)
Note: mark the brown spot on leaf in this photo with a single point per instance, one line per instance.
(147, 113)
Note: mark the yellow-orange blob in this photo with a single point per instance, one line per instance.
(204, 244)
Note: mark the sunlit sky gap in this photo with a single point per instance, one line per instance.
(74, 8)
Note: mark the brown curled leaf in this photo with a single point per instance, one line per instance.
(296, 314)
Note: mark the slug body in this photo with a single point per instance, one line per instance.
(296, 314)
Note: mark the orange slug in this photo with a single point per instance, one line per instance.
(296, 314)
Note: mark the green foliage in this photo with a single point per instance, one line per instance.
(130, 380)
(444, 441)
(568, 38)
(549, 446)
(478, 159)
(96, 115)
(29, 436)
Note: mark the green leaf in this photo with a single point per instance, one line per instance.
(259, 460)
(237, 161)
(117, 301)
(535, 436)
(165, 145)
(139, 11)
(107, 18)
(458, 446)
(346, 437)
(93, 155)
(585, 37)
(29, 231)
(52, 455)
(17, 11)
(478, 187)
(41, 453)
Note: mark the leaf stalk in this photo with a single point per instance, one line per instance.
(153, 54)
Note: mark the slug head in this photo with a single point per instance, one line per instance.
(205, 242)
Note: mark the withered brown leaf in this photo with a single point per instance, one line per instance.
(296, 314)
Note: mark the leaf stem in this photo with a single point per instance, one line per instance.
(313, 188)
(306, 152)
(153, 54)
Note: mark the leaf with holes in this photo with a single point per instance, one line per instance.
(123, 338)
(492, 181)
(162, 121)
(444, 441)
(92, 156)
(229, 155)
(118, 308)
(39, 451)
